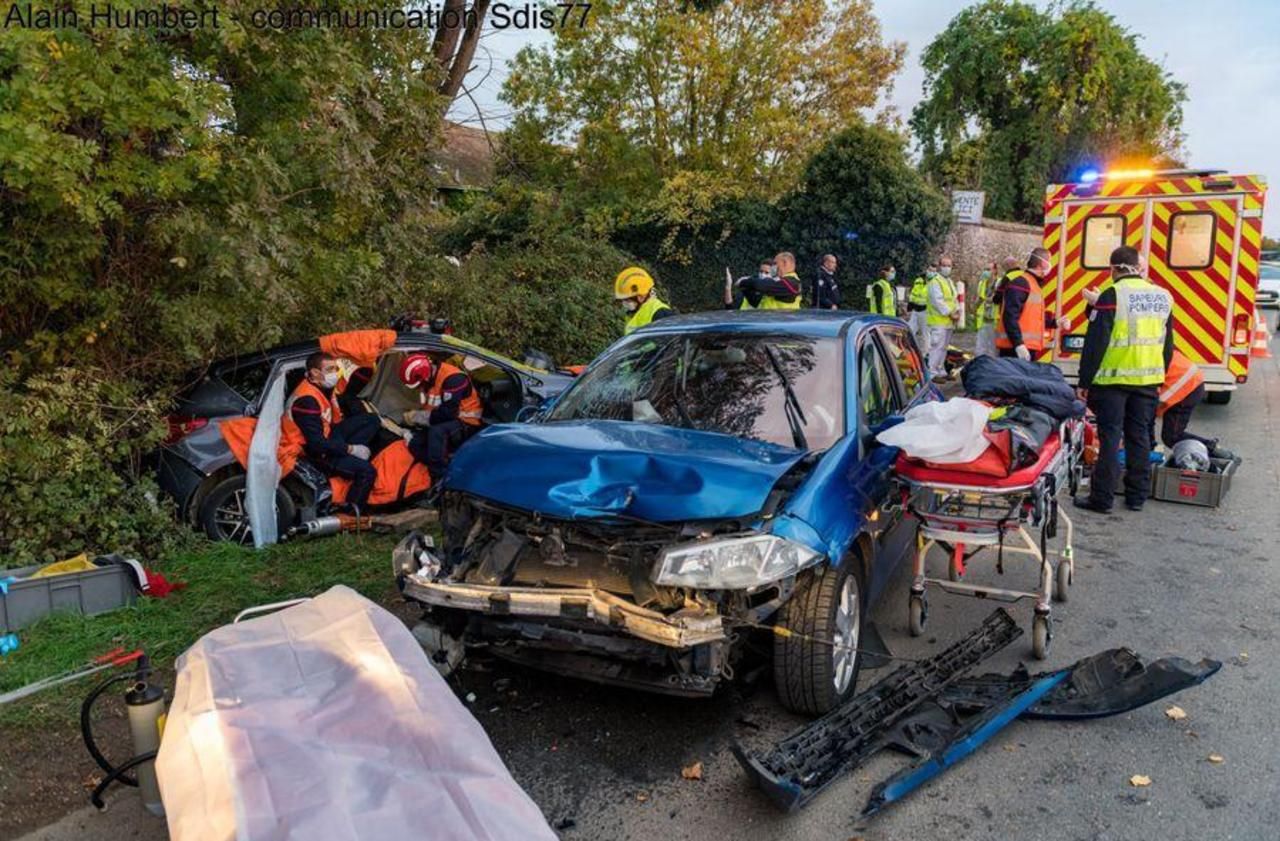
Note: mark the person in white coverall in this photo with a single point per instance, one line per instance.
(941, 316)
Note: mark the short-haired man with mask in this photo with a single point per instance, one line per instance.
(1127, 350)
(313, 424)
(942, 311)
(1024, 326)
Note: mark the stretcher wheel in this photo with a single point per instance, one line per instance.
(1041, 637)
(918, 614)
(1063, 583)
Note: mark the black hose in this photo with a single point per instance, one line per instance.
(118, 774)
(86, 731)
(86, 721)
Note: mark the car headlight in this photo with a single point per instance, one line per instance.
(732, 563)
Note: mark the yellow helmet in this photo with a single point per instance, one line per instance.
(632, 282)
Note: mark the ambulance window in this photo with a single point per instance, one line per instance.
(1102, 235)
(1191, 240)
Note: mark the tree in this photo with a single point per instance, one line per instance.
(664, 96)
(1016, 98)
(169, 196)
(860, 199)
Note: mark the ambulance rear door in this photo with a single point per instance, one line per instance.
(1080, 240)
(1193, 251)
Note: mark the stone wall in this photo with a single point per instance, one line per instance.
(973, 247)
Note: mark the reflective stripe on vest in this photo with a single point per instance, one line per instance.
(292, 441)
(1030, 323)
(1135, 353)
(935, 318)
(644, 314)
(1182, 378)
(470, 410)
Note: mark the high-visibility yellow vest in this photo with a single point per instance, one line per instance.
(880, 297)
(768, 302)
(986, 308)
(1135, 354)
(644, 314)
(935, 318)
(919, 292)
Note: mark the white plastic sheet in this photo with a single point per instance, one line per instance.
(263, 472)
(325, 721)
(945, 432)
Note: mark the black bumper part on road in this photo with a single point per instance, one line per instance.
(942, 720)
(809, 760)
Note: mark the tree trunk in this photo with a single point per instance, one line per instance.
(457, 64)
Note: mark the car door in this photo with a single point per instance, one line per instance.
(879, 399)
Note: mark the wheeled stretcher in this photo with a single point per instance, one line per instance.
(965, 512)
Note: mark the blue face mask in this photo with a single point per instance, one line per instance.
(891, 275)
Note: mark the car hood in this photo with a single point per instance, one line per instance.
(584, 469)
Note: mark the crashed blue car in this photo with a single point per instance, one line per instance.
(711, 480)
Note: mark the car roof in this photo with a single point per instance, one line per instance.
(816, 323)
(410, 338)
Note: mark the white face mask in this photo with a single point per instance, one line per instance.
(630, 305)
(330, 379)
(945, 271)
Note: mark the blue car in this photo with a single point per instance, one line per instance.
(708, 480)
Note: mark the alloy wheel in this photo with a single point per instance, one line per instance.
(844, 653)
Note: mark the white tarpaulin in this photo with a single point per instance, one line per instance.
(263, 473)
(325, 721)
(942, 431)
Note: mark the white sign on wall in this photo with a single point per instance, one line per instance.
(967, 206)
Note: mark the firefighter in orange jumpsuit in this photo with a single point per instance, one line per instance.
(451, 413)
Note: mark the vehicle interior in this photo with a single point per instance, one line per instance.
(499, 390)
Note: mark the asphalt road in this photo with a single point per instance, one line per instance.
(1174, 579)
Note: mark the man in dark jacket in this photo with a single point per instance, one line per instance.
(826, 292)
(1127, 350)
(779, 292)
(741, 294)
(1012, 294)
(338, 446)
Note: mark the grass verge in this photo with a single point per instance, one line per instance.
(221, 581)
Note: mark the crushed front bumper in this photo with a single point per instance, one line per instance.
(682, 629)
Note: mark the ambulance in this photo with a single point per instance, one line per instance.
(1200, 235)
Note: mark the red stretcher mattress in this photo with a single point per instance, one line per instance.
(957, 474)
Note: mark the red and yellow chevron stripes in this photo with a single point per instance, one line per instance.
(1198, 186)
(1199, 295)
(1076, 278)
(1247, 275)
(1207, 303)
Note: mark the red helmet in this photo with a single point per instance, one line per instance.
(416, 369)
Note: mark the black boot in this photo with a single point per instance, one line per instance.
(1088, 504)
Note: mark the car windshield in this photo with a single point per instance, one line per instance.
(782, 389)
(1268, 271)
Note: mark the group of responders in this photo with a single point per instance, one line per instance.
(429, 16)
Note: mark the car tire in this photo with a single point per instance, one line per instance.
(222, 514)
(810, 675)
(1218, 398)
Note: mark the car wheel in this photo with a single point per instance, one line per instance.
(1218, 398)
(815, 667)
(223, 515)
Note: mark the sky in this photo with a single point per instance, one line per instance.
(1226, 52)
